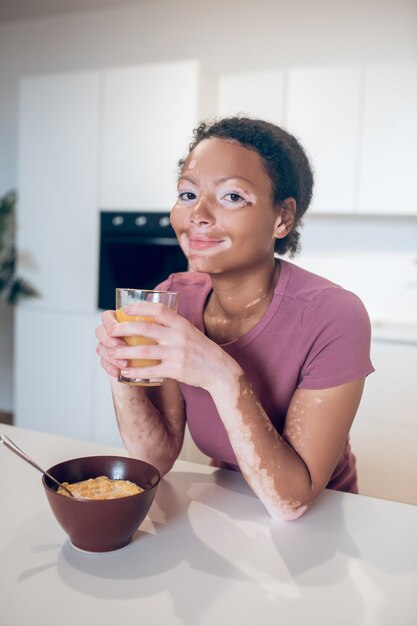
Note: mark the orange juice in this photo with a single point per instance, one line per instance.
(124, 297)
(136, 341)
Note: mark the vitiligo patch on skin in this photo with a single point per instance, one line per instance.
(294, 433)
(248, 434)
(253, 302)
(228, 325)
(250, 198)
(204, 260)
(145, 430)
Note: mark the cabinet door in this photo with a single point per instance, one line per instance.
(57, 221)
(149, 113)
(384, 433)
(104, 424)
(390, 394)
(256, 94)
(389, 153)
(54, 361)
(323, 113)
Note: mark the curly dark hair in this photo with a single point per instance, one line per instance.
(285, 161)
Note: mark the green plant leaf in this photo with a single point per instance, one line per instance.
(12, 288)
(19, 289)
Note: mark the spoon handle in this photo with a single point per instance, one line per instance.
(15, 448)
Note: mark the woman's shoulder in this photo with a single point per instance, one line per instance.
(302, 284)
(322, 297)
(334, 330)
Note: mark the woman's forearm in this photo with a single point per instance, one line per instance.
(272, 468)
(146, 434)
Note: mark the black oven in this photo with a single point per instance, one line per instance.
(137, 250)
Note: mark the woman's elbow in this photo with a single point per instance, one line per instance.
(286, 511)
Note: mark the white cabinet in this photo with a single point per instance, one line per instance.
(388, 183)
(390, 394)
(148, 115)
(384, 432)
(57, 220)
(60, 386)
(87, 141)
(103, 418)
(323, 113)
(55, 360)
(104, 423)
(357, 123)
(320, 106)
(255, 94)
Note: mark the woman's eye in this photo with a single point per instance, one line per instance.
(234, 197)
(187, 195)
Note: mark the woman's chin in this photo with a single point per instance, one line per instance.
(200, 263)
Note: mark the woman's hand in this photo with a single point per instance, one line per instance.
(186, 354)
(106, 343)
(151, 420)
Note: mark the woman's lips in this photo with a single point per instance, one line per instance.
(203, 244)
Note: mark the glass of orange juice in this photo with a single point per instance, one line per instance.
(124, 297)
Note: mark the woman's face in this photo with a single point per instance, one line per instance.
(224, 217)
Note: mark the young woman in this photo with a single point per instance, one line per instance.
(265, 361)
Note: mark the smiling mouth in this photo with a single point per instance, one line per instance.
(204, 244)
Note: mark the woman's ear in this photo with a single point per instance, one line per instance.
(286, 217)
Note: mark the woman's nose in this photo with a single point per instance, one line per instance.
(201, 212)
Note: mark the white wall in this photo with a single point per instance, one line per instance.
(225, 35)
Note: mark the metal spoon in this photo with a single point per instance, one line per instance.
(14, 448)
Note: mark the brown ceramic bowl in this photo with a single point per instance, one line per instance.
(102, 525)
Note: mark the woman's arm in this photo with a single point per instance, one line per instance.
(286, 472)
(151, 420)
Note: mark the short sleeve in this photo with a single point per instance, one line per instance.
(337, 335)
(166, 285)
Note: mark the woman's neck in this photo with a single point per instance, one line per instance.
(237, 303)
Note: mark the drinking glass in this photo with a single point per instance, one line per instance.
(130, 296)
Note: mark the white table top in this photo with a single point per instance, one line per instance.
(207, 555)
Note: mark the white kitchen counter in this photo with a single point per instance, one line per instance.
(392, 330)
(207, 554)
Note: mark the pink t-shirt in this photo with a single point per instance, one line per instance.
(314, 335)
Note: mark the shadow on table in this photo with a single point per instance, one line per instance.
(190, 523)
(167, 554)
(181, 549)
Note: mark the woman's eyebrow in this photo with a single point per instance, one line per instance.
(188, 179)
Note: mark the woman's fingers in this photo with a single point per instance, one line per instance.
(103, 331)
(104, 354)
(138, 329)
(110, 364)
(107, 340)
(109, 319)
(157, 311)
(110, 369)
(181, 351)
